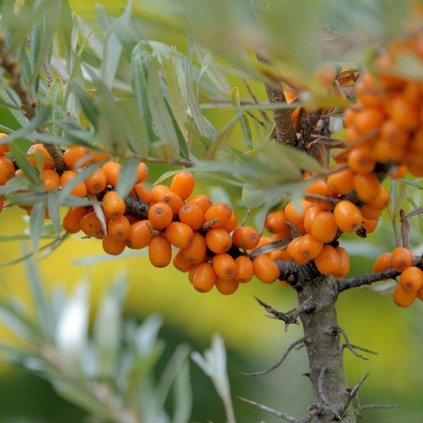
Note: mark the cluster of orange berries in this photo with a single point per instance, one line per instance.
(410, 285)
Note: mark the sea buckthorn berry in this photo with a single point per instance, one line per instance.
(368, 120)
(366, 186)
(383, 262)
(402, 297)
(118, 228)
(51, 179)
(158, 191)
(320, 188)
(341, 182)
(280, 255)
(204, 277)
(276, 223)
(294, 252)
(265, 269)
(90, 224)
(217, 215)
(141, 192)
(140, 234)
(401, 259)
(246, 237)
(96, 182)
(244, 269)
(113, 246)
(218, 240)
(181, 264)
(160, 215)
(344, 267)
(232, 223)
(295, 213)
(309, 217)
(403, 113)
(77, 156)
(4, 148)
(202, 201)
(179, 234)
(112, 170)
(226, 286)
(370, 225)
(347, 216)
(160, 251)
(308, 247)
(411, 279)
(79, 190)
(142, 173)
(381, 200)
(7, 170)
(369, 212)
(195, 251)
(37, 153)
(72, 219)
(328, 261)
(183, 184)
(191, 214)
(113, 205)
(360, 160)
(324, 227)
(224, 266)
(172, 200)
(99, 156)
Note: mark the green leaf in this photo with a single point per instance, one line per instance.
(14, 185)
(53, 209)
(127, 177)
(183, 395)
(111, 56)
(21, 159)
(221, 139)
(55, 98)
(86, 102)
(36, 222)
(218, 194)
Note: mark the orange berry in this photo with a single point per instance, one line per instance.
(71, 221)
(280, 255)
(118, 228)
(217, 215)
(113, 246)
(411, 279)
(112, 170)
(401, 259)
(383, 262)
(158, 191)
(366, 186)
(321, 188)
(276, 223)
(51, 179)
(90, 224)
(231, 223)
(96, 182)
(183, 184)
(398, 171)
(160, 215)
(79, 190)
(226, 286)
(77, 156)
(295, 214)
(160, 251)
(4, 148)
(344, 267)
(181, 264)
(195, 251)
(246, 237)
(113, 205)
(370, 225)
(341, 182)
(369, 212)
(294, 252)
(381, 200)
(38, 153)
(244, 269)
(265, 269)
(367, 120)
(173, 200)
(402, 297)
(204, 277)
(403, 113)
(360, 160)
(192, 215)
(328, 261)
(309, 217)
(7, 170)
(324, 227)
(179, 234)
(224, 266)
(308, 247)
(140, 234)
(141, 192)
(218, 240)
(202, 201)
(142, 173)
(347, 216)
(99, 156)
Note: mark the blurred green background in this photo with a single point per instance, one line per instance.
(254, 341)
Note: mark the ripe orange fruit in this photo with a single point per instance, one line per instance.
(344, 267)
(118, 228)
(361, 161)
(71, 221)
(112, 170)
(383, 262)
(113, 246)
(183, 184)
(96, 182)
(381, 200)
(79, 190)
(51, 179)
(347, 216)
(4, 148)
(368, 120)
(308, 247)
(179, 234)
(181, 264)
(295, 214)
(195, 251)
(37, 153)
(265, 269)
(401, 259)
(321, 188)
(90, 224)
(192, 214)
(140, 234)
(204, 277)
(218, 240)
(217, 215)
(369, 212)
(113, 205)
(403, 112)
(370, 225)
(244, 269)
(276, 223)
(231, 223)
(7, 170)
(366, 186)
(224, 266)
(411, 279)
(226, 286)
(328, 261)
(341, 182)
(402, 297)
(324, 227)
(172, 200)
(246, 237)
(309, 217)
(158, 191)
(160, 215)
(160, 251)
(142, 173)
(77, 156)
(294, 252)
(202, 201)
(141, 192)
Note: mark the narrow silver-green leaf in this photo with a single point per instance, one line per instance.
(127, 177)
(36, 222)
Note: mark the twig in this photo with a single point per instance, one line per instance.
(365, 407)
(325, 199)
(405, 229)
(354, 390)
(276, 413)
(253, 96)
(297, 344)
(353, 348)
